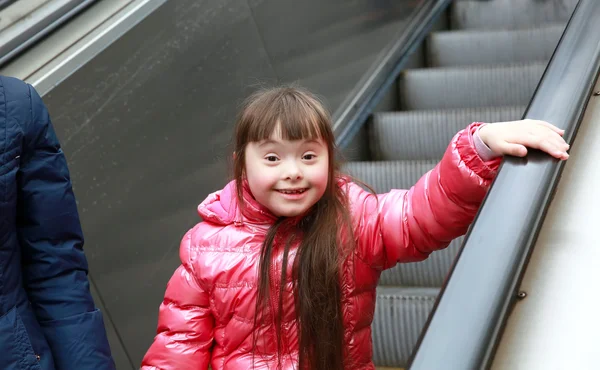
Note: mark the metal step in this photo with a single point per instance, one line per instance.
(400, 315)
(482, 47)
(509, 14)
(419, 135)
(487, 76)
(465, 87)
(385, 175)
(430, 273)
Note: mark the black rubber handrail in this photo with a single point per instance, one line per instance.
(372, 87)
(469, 318)
(10, 48)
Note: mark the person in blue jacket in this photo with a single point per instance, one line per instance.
(48, 319)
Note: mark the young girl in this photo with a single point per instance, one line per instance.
(281, 274)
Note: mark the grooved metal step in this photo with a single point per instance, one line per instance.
(400, 315)
(429, 273)
(385, 175)
(509, 14)
(480, 74)
(462, 48)
(426, 134)
(465, 87)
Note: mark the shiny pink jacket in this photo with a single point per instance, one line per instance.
(208, 311)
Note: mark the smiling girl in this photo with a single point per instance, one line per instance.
(282, 272)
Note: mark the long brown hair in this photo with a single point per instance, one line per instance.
(316, 270)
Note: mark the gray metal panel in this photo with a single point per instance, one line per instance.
(466, 87)
(400, 315)
(331, 49)
(426, 134)
(477, 47)
(37, 24)
(119, 354)
(429, 273)
(145, 127)
(509, 14)
(381, 75)
(385, 175)
(5, 3)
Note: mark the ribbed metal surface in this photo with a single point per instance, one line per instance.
(479, 75)
(385, 175)
(461, 48)
(426, 134)
(509, 14)
(462, 87)
(479, 299)
(430, 273)
(400, 315)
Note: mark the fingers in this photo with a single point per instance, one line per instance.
(548, 138)
(554, 148)
(550, 126)
(513, 138)
(515, 150)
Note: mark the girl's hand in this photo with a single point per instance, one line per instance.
(512, 138)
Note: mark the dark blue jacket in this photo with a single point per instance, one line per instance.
(48, 320)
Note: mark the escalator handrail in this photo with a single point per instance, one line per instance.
(6, 3)
(469, 317)
(371, 88)
(22, 35)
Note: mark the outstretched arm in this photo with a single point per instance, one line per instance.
(407, 225)
(54, 265)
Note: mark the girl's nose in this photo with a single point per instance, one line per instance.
(294, 172)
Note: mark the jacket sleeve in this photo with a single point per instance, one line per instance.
(185, 323)
(407, 225)
(54, 265)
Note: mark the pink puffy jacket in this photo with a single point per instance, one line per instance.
(208, 311)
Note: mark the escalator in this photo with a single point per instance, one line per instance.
(482, 63)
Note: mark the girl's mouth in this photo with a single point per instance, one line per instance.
(293, 194)
(292, 191)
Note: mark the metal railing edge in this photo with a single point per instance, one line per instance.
(371, 88)
(26, 34)
(467, 321)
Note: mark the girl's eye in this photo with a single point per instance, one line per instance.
(308, 157)
(271, 158)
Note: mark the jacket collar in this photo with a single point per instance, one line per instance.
(223, 208)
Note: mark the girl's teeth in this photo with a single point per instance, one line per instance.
(292, 191)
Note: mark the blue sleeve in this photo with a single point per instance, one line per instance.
(54, 265)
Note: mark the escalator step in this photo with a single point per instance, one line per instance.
(466, 87)
(400, 315)
(426, 134)
(509, 14)
(385, 175)
(460, 48)
(429, 273)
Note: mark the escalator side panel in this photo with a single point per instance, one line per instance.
(557, 324)
(144, 126)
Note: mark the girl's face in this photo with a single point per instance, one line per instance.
(287, 177)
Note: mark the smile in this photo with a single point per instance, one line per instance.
(291, 191)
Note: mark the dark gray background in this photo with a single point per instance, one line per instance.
(146, 126)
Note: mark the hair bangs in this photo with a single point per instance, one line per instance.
(285, 114)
